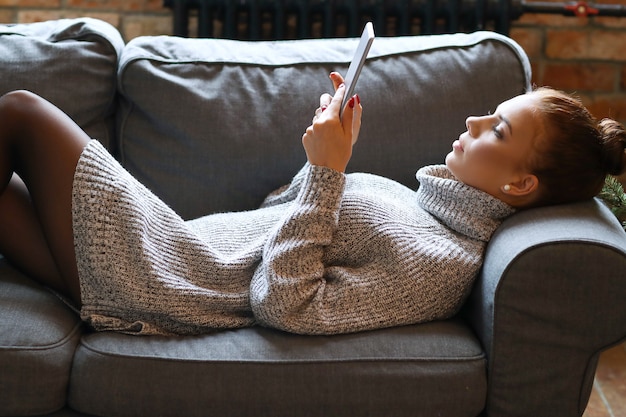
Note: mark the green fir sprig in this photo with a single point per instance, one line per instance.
(614, 197)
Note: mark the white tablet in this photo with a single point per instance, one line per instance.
(357, 62)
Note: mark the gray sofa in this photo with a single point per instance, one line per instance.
(212, 125)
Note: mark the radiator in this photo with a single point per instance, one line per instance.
(301, 19)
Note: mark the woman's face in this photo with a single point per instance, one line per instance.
(493, 154)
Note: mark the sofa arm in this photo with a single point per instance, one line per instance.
(551, 296)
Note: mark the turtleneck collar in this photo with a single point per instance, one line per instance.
(465, 209)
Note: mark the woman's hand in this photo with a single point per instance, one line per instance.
(328, 141)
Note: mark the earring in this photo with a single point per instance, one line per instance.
(507, 187)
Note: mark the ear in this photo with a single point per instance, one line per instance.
(523, 187)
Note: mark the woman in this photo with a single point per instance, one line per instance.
(329, 253)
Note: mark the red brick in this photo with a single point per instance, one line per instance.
(31, 3)
(596, 44)
(530, 39)
(121, 5)
(38, 15)
(156, 5)
(607, 44)
(610, 22)
(610, 105)
(581, 76)
(566, 44)
(109, 17)
(134, 26)
(551, 20)
(132, 5)
(7, 16)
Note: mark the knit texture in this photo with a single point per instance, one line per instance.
(329, 253)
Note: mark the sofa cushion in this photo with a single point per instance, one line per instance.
(212, 124)
(38, 336)
(260, 372)
(71, 63)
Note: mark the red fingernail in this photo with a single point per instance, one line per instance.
(351, 102)
(358, 99)
(324, 107)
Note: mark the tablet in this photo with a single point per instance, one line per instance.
(357, 62)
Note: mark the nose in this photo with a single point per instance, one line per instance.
(471, 123)
(476, 125)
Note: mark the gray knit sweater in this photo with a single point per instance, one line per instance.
(330, 253)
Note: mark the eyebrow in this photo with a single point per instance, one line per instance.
(508, 123)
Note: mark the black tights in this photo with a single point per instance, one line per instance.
(39, 150)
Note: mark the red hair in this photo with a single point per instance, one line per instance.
(575, 153)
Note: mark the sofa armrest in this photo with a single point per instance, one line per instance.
(551, 296)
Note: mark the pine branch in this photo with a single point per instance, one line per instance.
(614, 197)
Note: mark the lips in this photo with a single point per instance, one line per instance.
(457, 146)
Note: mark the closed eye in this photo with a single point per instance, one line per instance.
(497, 132)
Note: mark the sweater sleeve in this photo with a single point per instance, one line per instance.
(287, 285)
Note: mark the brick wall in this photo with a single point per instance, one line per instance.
(132, 17)
(583, 55)
(577, 54)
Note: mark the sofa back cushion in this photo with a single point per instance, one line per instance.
(70, 62)
(214, 125)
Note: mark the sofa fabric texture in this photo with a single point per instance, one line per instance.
(260, 372)
(70, 63)
(214, 125)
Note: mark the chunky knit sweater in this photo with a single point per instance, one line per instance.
(330, 253)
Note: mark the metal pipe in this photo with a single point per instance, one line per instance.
(580, 8)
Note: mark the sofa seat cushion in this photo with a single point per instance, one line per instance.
(260, 372)
(38, 336)
(70, 62)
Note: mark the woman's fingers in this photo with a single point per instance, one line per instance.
(325, 100)
(337, 99)
(356, 119)
(337, 79)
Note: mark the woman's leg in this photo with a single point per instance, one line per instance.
(42, 145)
(21, 237)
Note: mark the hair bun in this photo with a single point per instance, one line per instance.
(614, 146)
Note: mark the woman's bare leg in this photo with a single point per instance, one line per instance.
(42, 145)
(21, 238)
